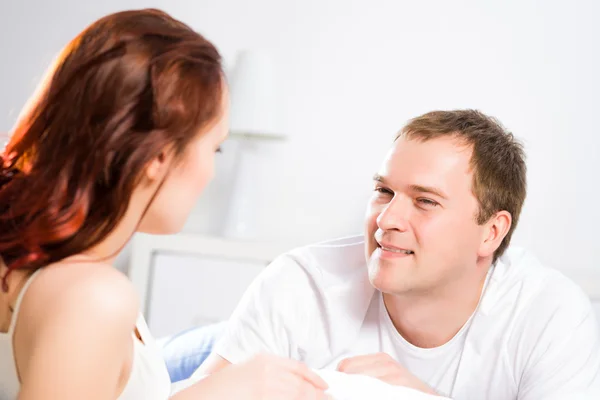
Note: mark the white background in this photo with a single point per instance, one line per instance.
(352, 72)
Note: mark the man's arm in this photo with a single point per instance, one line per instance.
(271, 317)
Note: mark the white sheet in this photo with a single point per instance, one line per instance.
(351, 387)
(359, 387)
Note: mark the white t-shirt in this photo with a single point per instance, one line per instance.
(534, 335)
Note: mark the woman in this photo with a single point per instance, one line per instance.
(120, 138)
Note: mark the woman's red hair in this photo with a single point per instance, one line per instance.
(130, 86)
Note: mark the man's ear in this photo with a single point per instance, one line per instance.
(156, 168)
(495, 231)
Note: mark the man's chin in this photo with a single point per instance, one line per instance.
(385, 279)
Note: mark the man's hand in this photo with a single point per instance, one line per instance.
(264, 377)
(384, 368)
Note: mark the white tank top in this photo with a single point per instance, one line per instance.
(148, 380)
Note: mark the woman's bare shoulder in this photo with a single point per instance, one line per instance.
(82, 316)
(81, 293)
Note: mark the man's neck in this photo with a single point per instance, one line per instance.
(431, 319)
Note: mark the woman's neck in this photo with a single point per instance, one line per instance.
(108, 249)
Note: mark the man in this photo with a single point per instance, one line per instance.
(440, 304)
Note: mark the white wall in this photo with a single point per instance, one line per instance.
(353, 71)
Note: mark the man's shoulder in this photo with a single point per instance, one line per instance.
(316, 270)
(338, 257)
(299, 305)
(547, 323)
(539, 291)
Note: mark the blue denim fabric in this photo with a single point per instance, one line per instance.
(185, 351)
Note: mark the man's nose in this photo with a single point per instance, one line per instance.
(395, 215)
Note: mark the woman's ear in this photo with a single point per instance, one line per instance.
(157, 168)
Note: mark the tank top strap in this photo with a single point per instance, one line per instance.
(143, 330)
(20, 296)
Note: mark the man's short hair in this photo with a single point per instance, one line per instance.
(498, 160)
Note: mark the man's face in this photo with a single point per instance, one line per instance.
(421, 229)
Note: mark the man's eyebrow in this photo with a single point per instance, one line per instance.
(378, 178)
(415, 188)
(428, 189)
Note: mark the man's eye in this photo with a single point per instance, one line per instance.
(383, 190)
(427, 202)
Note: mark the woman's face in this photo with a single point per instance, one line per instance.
(187, 179)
